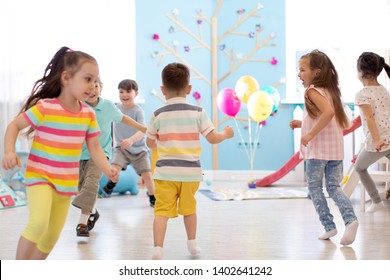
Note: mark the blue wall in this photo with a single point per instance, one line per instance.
(276, 137)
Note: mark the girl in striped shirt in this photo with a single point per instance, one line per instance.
(322, 143)
(61, 123)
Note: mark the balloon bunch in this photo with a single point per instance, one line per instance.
(261, 103)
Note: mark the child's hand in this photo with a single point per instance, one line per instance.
(380, 144)
(10, 160)
(229, 132)
(305, 139)
(127, 143)
(113, 175)
(295, 124)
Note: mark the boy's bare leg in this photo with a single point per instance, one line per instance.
(190, 223)
(159, 230)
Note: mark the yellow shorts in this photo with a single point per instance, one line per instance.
(173, 198)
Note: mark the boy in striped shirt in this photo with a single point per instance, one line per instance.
(175, 130)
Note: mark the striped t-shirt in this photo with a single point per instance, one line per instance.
(328, 144)
(177, 127)
(58, 140)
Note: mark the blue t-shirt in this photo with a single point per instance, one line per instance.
(106, 113)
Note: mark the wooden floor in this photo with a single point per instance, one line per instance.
(267, 229)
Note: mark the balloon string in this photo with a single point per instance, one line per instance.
(242, 139)
(257, 138)
(250, 148)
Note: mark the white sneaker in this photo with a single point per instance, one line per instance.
(193, 247)
(374, 207)
(328, 234)
(158, 253)
(350, 233)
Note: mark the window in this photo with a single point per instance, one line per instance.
(32, 31)
(343, 30)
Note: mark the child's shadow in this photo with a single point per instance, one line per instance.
(348, 253)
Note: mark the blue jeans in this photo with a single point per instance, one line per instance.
(315, 170)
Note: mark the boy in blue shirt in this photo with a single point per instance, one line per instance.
(89, 175)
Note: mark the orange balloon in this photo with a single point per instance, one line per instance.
(245, 87)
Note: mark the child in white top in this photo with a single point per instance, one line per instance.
(374, 103)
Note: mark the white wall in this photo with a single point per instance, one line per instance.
(343, 29)
(32, 31)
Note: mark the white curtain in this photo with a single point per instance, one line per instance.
(32, 31)
(343, 29)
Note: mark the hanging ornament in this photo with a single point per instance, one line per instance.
(175, 12)
(196, 95)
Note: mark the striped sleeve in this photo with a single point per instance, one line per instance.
(206, 126)
(35, 115)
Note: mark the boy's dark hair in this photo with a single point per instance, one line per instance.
(128, 85)
(175, 76)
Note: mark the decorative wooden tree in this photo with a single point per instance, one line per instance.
(216, 45)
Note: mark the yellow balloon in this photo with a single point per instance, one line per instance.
(245, 87)
(260, 105)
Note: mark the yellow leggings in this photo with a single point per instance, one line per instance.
(48, 213)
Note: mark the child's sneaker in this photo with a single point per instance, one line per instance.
(193, 247)
(82, 230)
(92, 220)
(375, 207)
(328, 234)
(350, 233)
(152, 200)
(158, 253)
(106, 192)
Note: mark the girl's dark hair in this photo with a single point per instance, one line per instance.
(175, 76)
(328, 79)
(49, 86)
(371, 65)
(128, 85)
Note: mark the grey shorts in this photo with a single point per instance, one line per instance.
(89, 178)
(140, 162)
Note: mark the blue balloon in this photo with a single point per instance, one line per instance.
(274, 94)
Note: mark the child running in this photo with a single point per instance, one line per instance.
(174, 129)
(89, 177)
(61, 124)
(131, 144)
(322, 143)
(374, 104)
